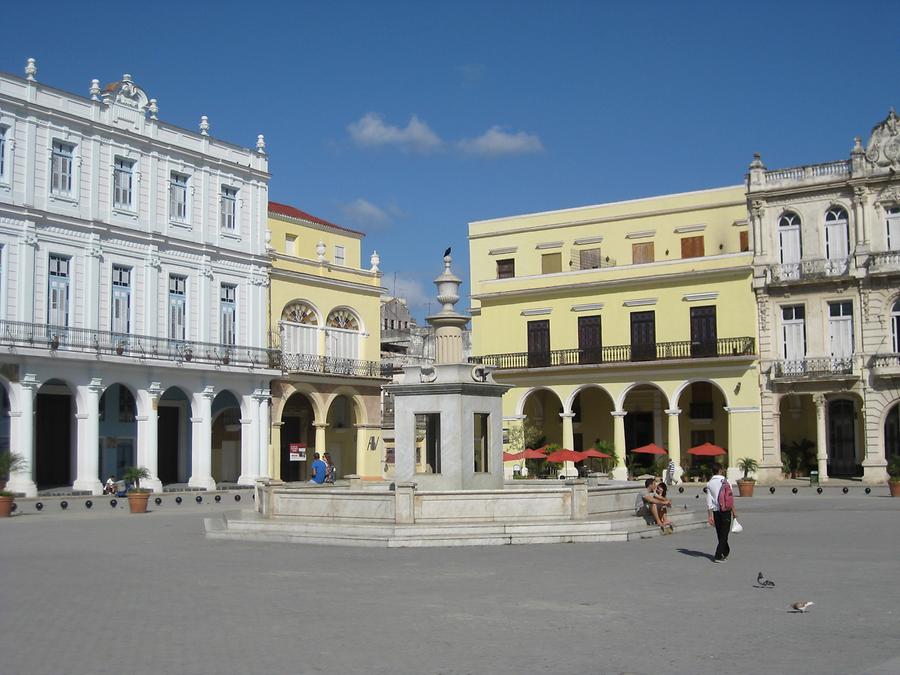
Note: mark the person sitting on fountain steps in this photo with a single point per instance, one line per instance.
(319, 469)
(651, 504)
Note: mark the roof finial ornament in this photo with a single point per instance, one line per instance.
(30, 70)
(204, 125)
(857, 146)
(153, 108)
(757, 162)
(95, 90)
(375, 260)
(261, 144)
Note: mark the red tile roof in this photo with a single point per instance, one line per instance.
(293, 212)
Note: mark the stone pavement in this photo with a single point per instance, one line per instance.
(99, 592)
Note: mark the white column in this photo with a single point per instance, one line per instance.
(621, 471)
(821, 437)
(675, 440)
(148, 437)
(263, 470)
(22, 436)
(249, 440)
(88, 450)
(201, 446)
(151, 298)
(92, 286)
(25, 275)
(568, 440)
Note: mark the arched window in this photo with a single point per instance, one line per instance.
(837, 234)
(343, 318)
(299, 322)
(895, 327)
(790, 244)
(342, 334)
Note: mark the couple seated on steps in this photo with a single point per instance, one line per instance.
(654, 505)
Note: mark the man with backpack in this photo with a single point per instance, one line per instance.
(720, 507)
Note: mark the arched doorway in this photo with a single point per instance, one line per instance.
(702, 420)
(174, 436)
(340, 435)
(542, 410)
(892, 433)
(798, 434)
(297, 420)
(592, 424)
(54, 441)
(226, 438)
(645, 423)
(118, 432)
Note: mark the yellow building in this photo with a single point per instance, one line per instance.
(324, 312)
(630, 322)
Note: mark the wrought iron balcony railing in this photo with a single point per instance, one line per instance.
(66, 339)
(661, 351)
(813, 368)
(331, 365)
(810, 270)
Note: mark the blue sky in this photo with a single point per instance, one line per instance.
(407, 120)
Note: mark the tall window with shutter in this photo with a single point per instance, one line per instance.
(121, 300)
(228, 314)
(178, 197)
(228, 209)
(123, 183)
(61, 167)
(177, 307)
(58, 290)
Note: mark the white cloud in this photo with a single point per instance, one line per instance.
(372, 131)
(496, 142)
(363, 212)
(416, 294)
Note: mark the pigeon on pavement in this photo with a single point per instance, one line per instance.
(762, 582)
(802, 606)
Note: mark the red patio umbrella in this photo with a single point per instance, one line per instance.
(512, 456)
(593, 452)
(533, 454)
(565, 456)
(650, 449)
(707, 450)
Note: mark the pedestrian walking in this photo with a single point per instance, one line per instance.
(720, 510)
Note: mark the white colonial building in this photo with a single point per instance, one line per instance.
(133, 292)
(827, 281)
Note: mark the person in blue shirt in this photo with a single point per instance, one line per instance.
(319, 470)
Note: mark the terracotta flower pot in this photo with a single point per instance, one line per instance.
(745, 488)
(6, 506)
(137, 501)
(894, 487)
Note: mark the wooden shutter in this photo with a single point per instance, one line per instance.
(692, 247)
(643, 336)
(506, 268)
(745, 241)
(551, 263)
(642, 253)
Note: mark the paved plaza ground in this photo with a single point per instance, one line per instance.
(107, 592)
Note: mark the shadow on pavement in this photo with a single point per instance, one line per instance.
(695, 554)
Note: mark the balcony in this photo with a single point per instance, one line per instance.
(809, 270)
(139, 347)
(329, 365)
(810, 174)
(886, 365)
(826, 368)
(887, 262)
(661, 351)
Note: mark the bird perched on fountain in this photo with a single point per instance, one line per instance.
(447, 252)
(762, 582)
(802, 606)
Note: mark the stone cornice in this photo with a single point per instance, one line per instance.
(279, 274)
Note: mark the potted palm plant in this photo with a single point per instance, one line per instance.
(137, 496)
(745, 484)
(894, 480)
(9, 462)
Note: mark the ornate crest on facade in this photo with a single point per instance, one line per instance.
(125, 92)
(884, 143)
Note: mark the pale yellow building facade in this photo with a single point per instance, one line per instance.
(630, 322)
(324, 314)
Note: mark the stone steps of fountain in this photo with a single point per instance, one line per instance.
(248, 525)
